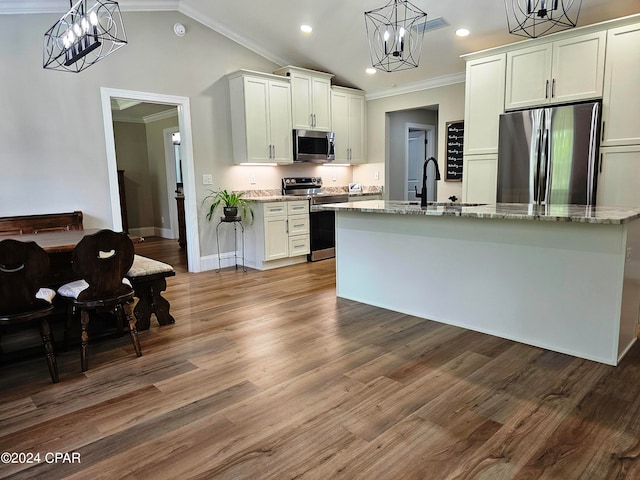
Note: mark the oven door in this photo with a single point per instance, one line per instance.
(322, 226)
(322, 229)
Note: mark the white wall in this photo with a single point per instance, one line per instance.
(450, 102)
(53, 148)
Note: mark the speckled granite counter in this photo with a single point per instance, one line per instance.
(266, 196)
(506, 211)
(563, 278)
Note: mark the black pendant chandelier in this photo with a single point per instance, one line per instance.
(534, 18)
(88, 32)
(395, 33)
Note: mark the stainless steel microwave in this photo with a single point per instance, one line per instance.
(314, 147)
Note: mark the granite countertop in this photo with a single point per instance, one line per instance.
(266, 196)
(505, 211)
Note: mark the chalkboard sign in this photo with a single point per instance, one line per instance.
(455, 137)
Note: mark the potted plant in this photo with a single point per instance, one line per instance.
(231, 202)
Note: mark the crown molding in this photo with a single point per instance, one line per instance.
(213, 24)
(442, 81)
(154, 117)
(17, 7)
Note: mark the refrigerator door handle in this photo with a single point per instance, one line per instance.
(536, 166)
(545, 176)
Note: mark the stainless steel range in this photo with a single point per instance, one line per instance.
(322, 224)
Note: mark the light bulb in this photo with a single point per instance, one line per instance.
(70, 36)
(77, 30)
(402, 30)
(85, 24)
(93, 18)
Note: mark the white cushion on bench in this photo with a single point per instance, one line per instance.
(143, 266)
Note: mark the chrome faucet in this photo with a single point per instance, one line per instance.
(423, 195)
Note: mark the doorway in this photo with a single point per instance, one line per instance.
(419, 148)
(403, 172)
(186, 149)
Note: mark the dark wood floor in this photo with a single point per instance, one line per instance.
(267, 375)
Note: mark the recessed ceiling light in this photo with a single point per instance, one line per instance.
(306, 28)
(462, 32)
(370, 70)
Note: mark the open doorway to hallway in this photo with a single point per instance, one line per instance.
(150, 200)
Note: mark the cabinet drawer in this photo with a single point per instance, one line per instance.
(299, 245)
(298, 224)
(275, 209)
(301, 206)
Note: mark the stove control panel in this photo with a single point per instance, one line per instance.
(302, 181)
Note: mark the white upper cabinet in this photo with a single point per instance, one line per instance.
(484, 102)
(348, 117)
(260, 118)
(310, 98)
(621, 99)
(562, 71)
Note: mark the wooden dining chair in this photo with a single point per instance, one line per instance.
(22, 266)
(102, 261)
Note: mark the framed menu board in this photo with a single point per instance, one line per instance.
(455, 138)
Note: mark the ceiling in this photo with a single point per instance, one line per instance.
(338, 42)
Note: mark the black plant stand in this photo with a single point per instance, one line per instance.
(235, 221)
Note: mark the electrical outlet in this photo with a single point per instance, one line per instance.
(334, 177)
(207, 179)
(252, 179)
(376, 175)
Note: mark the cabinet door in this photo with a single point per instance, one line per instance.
(621, 98)
(321, 97)
(480, 177)
(618, 180)
(356, 120)
(340, 124)
(528, 77)
(484, 102)
(276, 238)
(301, 103)
(280, 122)
(578, 68)
(256, 104)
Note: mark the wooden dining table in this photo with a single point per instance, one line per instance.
(59, 245)
(60, 241)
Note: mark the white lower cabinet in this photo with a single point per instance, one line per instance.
(279, 235)
(480, 178)
(619, 178)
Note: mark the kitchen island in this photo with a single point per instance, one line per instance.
(563, 277)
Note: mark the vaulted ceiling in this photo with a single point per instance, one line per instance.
(338, 43)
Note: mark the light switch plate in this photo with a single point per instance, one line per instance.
(207, 179)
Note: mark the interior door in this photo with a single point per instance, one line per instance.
(415, 162)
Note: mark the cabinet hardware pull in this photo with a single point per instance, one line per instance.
(602, 136)
(286, 223)
(600, 163)
(546, 90)
(553, 88)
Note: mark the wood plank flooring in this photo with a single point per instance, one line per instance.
(267, 375)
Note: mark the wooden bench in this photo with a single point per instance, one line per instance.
(148, 278)
(25, 224)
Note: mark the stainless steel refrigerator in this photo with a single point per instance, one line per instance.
(549, 155)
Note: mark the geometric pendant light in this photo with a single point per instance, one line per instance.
(88, 32)
(534, 18)
(395, 33)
